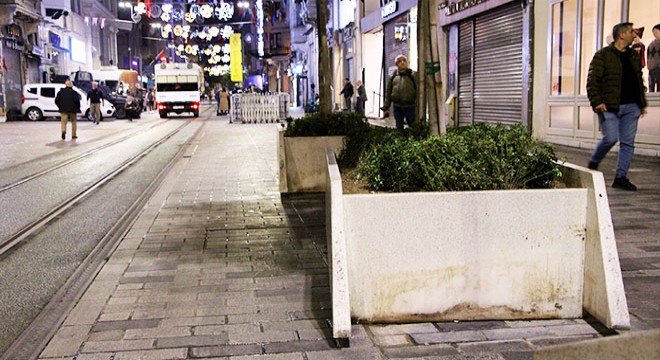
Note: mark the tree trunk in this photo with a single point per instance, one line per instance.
(325, 76)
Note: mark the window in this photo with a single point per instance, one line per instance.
(32, 91)
(564, 15)
(589, 40)
(48, 92)
(644, 14)
(275, 40)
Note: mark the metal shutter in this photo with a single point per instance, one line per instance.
(465, 73)
(498, 65)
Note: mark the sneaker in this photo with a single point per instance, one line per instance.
(623, 183)
(592, 165)
(74, 137)
(63, 135)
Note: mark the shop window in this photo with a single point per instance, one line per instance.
(644, 14)
(649, 124)
(589, 40)
(564, 15)
(611, 17)
(586, 118)
(561, 117)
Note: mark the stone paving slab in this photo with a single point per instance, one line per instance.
(220, 266)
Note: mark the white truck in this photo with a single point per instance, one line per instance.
(178, 88)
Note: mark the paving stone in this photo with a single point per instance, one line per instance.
(521, 333)
(158, 332)
(298, 346)
(225, 350)
(125, 325)
(423, 351)
(122, 345)
(470, 325)
(495, 346)
(447, 337)
(392, 340)
(67, 341)
(170, 354)
(191, 341)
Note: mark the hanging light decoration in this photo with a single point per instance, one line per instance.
(140, 8)
(226, 48)
(178, 30)
(224, 11)
(214, 31)
(226, 31)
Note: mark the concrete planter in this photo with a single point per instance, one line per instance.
(302, 161)
(478, 255)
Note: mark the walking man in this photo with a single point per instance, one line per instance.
(347, 91)
(95, 99)
(361, 97)
(401, 93)
(616, 93)
(68, 103)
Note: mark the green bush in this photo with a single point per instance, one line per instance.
(478, 157)
(315, 124)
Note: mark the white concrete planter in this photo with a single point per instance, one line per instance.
(302, 161)
(478, 255)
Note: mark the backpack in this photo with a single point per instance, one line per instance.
(408, 74)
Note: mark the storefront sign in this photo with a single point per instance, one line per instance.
(388, 9)
(348, 32)
(12, 44)
(54, 39)
(455, 7)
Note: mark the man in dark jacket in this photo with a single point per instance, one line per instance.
(361, 97)
(616, 93)
(348, 92)
(68, 103)
(401, 93)
(95, 98)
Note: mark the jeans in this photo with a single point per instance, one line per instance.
(622, 127)
(400, 113)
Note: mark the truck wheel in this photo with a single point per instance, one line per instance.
(195, 113)
(163, 115)
(34, 114)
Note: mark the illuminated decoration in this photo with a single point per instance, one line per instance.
(260, 28)
(226, 58)
(206, 11)
(178, 30)
(165, 16)
(224, 11)
(190, 17)
(140, 8)
(236, 57)
(227, 31)
(156, 11)
(177, 14)
(214, 31)
(226, 48)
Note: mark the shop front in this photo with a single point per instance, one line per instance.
(488, 60)
(564, 47)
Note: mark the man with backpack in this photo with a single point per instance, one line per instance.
(401, 93)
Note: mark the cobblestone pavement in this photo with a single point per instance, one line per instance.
(220, 266)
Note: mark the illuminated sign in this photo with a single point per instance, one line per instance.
(388, 9)
(453, 8)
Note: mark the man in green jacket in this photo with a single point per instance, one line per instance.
(616, 92)
(401, 93)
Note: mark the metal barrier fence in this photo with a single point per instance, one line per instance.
(259, 108)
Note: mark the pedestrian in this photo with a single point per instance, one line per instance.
(616, 93)
(95, 99)
(224, 102)
(347, 91)
(217, 100)
(68, 104)
(361, 97)
(131, 105)
(150, 99)
(653, 60)
(401, 93)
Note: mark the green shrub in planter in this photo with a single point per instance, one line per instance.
(478, 157)
(315, 124)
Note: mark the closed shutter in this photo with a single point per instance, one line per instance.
(465, 73)
(498, 65)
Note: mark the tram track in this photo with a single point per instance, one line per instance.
(76, 159)
(7, 244)
(35, 337)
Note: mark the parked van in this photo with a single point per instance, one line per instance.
(38, 102)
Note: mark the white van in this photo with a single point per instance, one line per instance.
(178, 88)
(38, 102)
